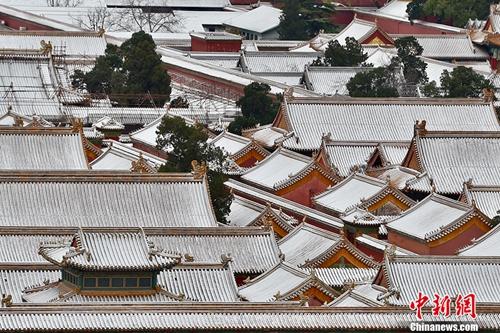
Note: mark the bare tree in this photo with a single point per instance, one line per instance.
(64, 3)
(138, 16)
(97, 19)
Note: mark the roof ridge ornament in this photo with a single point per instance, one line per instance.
(141, 165)
(420, 127)
(46, 47)
(199, 169)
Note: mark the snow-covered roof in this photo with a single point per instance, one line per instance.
(382, 120)
(282, 282)
(288, 206)
(251, 250)
(330, 81)
(243, 211)
(357, 29)
(360, 295)
(432, 218)
(442, 275)
(276, 61)
(452, 158)
(307, 243)
(71, 44)
(97, 198)
(485, 198)
(260, 20)
(337, 277)
(452, 46)
(278, 167)
(147, 135)
(486, 245)
(174, 3)
(230, 143)
(109, 251)
(119, 156)
(41, 149)
(350, 192)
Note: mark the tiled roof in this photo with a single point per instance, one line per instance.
(357, 29)
(451, 158)
(260, 20)
(379, 121)
(330, 81)
(398, 176)
(380, 245)
(109, 251)
(485, 198)
(41, 149)
(15, 278)
(73, 44)
(278, 167)
(441, 275)
(274, 61)
(350, 192)
(200, 283)
(104, 199)
(337, 277)
(230, 143)
(252, 250)
(230, 316)
(12, 252)
(451, 46)
(486, 245)
(289, 207)
(118, 156)
(432, 218)
(282, 282)
(310, 246)
(226, 60)
(359, 295)
(266, 135)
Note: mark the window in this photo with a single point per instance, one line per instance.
(103, 282)
(131, 282)
(90, 283)
(144, 282)
(117, 282)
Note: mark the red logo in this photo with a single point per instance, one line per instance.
(464, 305)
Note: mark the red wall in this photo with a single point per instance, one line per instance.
(186, 75)
(362, 3)
(449, 248)
(149, 149)
(377, 254)
(305, 191)
(16, 23)
(342, 16)
(202, 45)
(391, 26)
(243, 2)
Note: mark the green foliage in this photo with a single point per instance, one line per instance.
(457, 12)
(241, 123)
(134, 68)
(431, 90)
(414, 69)
(179, 102)
(189, 143)
(377, 82)
(257, 103)
(415, 9)
(292, 25)
(463, 82)
(303, 19)
(349, 55)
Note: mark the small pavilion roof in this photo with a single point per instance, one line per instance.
(109, 251)
(119, 156)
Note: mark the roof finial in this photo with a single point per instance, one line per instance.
(420, 127)
(199, 169)
(46, 47)
(226, 259)
(141, 166)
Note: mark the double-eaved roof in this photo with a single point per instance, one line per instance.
(104, 199)
(451, 158)
(42, 149)
(377, 120)
(109, 251)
